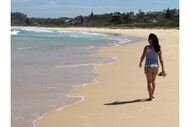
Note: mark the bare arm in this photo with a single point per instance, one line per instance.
(161, 61)
(142, 57)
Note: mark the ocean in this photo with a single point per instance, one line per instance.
(46, 65)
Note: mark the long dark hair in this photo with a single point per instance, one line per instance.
(155, 42)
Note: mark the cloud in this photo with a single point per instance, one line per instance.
(107, 6)
(159, 1)
(20, 1)
(52, 2)
(52, 5)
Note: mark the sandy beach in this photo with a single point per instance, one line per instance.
(117, 97)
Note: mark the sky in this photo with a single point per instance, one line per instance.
(73, 8)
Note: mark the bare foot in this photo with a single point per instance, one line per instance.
(153, 97)
(149, 99)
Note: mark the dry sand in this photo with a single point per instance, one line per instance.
(113, 100)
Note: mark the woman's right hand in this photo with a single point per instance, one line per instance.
(163, 71)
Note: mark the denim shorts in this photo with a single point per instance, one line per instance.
(151, 70)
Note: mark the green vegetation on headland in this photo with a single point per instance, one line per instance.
(168, 18)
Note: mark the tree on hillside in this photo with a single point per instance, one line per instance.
(165, 18)
(140, 17)
(91, 16)
(18, 18)
(80, 18)
(169, 14)
(27, 21)
(117, 18)
(128, 17)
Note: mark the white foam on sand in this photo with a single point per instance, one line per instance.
(75, 87)
(76, 65)
(39, 30)
(23, 48)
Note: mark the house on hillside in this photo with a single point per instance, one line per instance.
(71, 21)
(75, 22)
(153, 20)
(67, 22)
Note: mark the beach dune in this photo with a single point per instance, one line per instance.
(117, 99)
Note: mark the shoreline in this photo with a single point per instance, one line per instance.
(75, 88)
(52, 119)
(91, 29)
(60, 28)
(94, 66)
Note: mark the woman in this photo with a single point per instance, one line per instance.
(152, 52)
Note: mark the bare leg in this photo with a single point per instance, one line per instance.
(149, 85)
(153, 83)
(150, 90)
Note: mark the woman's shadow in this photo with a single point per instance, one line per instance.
(126, 102)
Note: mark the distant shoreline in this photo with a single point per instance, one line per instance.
(57, 27)
(116, 31)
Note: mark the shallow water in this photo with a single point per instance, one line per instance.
(46, 65)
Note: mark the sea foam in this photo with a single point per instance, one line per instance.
(15, 32)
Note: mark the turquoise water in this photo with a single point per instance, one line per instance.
(32, 38)
(46, 65)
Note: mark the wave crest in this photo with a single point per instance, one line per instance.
(15, 32)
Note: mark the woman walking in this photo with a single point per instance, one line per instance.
(152, 52)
